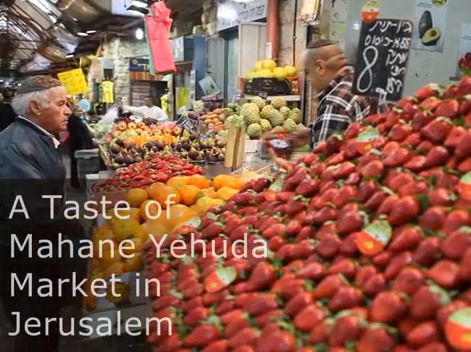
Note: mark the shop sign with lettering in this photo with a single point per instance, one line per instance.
(139, 65)
(232, 13)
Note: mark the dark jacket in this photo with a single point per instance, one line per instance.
(79, 136)
(30, 166)
(7, 115)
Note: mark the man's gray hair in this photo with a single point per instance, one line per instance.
(21, 102)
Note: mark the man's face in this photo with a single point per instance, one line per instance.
(53, 117)
(322, 66)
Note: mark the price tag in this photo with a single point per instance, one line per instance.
(383, 54)
(374, 237)
(74, 81)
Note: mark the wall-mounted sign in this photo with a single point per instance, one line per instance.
(231, 13)
(139, 65)
(74, 81)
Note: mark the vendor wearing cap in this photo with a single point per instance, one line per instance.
(31, 167)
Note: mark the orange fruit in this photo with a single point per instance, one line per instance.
(179, 214)
(131, 250)
(199, 181)
(164, 194)
(227, 181)
(189, 194)
(178, 181)
(123, 229)
(108, 258)
(225, 193)
(136, 197)
(208, 192)
(116, 269)
(150, 209)
(133, 264)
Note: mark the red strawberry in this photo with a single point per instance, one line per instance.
(397, 263)
(364, 273)
(421, 119)
(298, 303)
(309, 317)
(448, 108)
(427, 301)
(441, 196)
(349, 246)
(201, 336)
(246, 336)
(455, 220)
(347, 267)
(346, 328)
(345, 298)
(387, 307)
(408, 281)
(457, 243)
(430, 90)
(376, 339)
(195, 316)
(398, 157)
(445, 274)
(406, 238)
(423, 334)
(374, 285)
(414, 188)
(344, 196)
(430, 103)
(276, 341)
(217, 346)
(407, 209)
(413, 140)
(445, 311)
(328, 286)
(366, 189)
(454, 137)
(308, 187)
(349, 222)
(328, 247)
(425, 146)
(322, 332)
(464, 273)
(463, 149)
(449, 93)
(382, 259)
(416, 163)
(388, 205)
(437, 130)
(398, 180)
(374, 168)
(375, 200)
(428, 251)
(327, 213)
(434, 218)
(399, 132)
(465, 166)
(464, 86)
(437, 156)
(267, 318)
(434, 347)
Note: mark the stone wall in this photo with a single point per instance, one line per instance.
(120, 51)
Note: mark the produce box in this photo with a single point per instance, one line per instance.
(272, 86)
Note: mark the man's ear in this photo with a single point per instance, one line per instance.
(321, 66)
(35, 107)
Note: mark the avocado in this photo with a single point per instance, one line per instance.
(425, 23)
(431, 37)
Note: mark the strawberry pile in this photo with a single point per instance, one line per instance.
(160, 168)
(369, 244)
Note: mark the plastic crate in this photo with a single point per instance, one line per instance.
(88, 162)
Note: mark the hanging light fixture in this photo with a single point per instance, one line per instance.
(139, 34)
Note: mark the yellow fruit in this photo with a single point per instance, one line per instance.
(203, 203)
(199, 181)
(279, 73)
(225, 193)
(115, 269)
(107, 258)
(269, 64)
(136, 197)
(136, 247)
(158, 227)
(291, 71)
(266, 73)
(123, 229)
(132, 213)
(258, 65)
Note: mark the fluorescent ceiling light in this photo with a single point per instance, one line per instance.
(68, 56)
(91, 31)
(138, 3)
(82, 34)
(139, 34)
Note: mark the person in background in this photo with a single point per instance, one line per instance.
(79, 138)
(148, 110)
(31, 167)
(7, 114)
(331, 78)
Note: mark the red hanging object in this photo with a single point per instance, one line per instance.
(158, 26)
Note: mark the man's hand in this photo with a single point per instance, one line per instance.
(280, 162)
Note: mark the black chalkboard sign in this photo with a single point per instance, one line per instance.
(382, 57)
(188, 124)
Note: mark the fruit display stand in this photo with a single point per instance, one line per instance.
(365, 245)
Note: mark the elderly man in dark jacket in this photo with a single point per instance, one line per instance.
(31, 168)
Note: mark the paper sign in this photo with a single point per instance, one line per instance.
(74, 81)
(464, 51)
(430, 25)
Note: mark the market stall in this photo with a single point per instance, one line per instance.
(363, 245)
